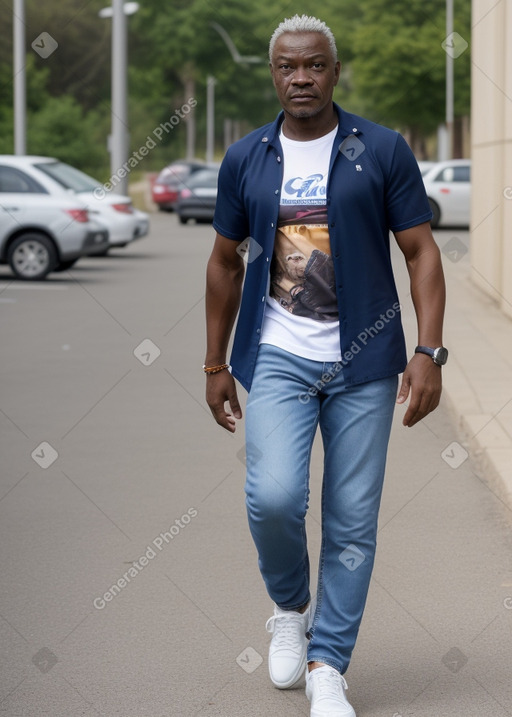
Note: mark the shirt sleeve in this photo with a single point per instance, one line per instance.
(230, 219)
(406, 200)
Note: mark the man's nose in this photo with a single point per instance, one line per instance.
(301, 76)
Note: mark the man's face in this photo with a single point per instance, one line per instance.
(304, 73)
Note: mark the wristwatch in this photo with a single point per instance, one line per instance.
(439, 356)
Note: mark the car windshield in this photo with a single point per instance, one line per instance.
(203, 178)
(174, 172)
(68, 177)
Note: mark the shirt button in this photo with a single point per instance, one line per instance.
(258, 331)
(265, 139)
(333, 224)
(263, 298)
(277, 191)
(278, 159)
(271, 224)
(354, 129)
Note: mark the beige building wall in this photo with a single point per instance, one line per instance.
(491, 151)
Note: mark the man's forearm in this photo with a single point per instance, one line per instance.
(223, 292)
(421, 380)
(428, 295)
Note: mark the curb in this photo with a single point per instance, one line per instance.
(477, 383)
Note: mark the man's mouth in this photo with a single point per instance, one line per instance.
(302, 98)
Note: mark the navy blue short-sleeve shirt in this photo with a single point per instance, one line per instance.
(374, 187)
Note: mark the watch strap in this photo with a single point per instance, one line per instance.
(438, 355)
(424, 350)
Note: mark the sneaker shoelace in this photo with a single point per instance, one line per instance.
(286, 630)
(330, 683)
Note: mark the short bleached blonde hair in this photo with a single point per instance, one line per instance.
(303, 23)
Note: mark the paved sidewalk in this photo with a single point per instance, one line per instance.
(104, 364)
(478, 378)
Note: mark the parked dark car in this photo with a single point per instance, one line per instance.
(165, 190)
(197, 200)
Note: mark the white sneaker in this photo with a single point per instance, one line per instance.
(325, 689)
(288, 647)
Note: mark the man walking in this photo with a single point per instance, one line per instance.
(318, 342)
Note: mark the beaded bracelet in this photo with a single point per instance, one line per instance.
(215, 369)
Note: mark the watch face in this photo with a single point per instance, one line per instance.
(440, 356)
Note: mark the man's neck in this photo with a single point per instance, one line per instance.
(304, 129)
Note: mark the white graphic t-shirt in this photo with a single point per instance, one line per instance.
(301, 315)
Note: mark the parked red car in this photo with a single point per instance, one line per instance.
(165, 190)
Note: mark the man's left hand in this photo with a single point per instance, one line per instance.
(422, 380)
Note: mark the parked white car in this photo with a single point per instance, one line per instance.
(40, 233)
(425, 166)
(448, 187)
(115, 211)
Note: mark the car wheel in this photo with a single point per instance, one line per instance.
(65, 265)
(434, 222)
(32, 256)
(183, 220)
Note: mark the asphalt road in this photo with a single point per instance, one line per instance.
(129, 582)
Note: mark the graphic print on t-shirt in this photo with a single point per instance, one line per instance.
(302, 273)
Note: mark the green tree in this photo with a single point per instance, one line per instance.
(37, 96)
(80, 64)
(182, 43)
(398, 67)
(392, 68)
(62, 129)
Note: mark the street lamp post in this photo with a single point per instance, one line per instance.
(449, 83)
(20, 91)
(210, 87)
(210, 117)
(119, 136)
(118, 140)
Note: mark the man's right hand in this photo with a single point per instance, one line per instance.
(221, 389)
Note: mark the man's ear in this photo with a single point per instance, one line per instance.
(271, 71)
(337, 70)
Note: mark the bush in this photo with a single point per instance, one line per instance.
(63, 130)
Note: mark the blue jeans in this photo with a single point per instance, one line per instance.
(289, 397)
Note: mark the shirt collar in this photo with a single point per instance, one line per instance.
(346, 126)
